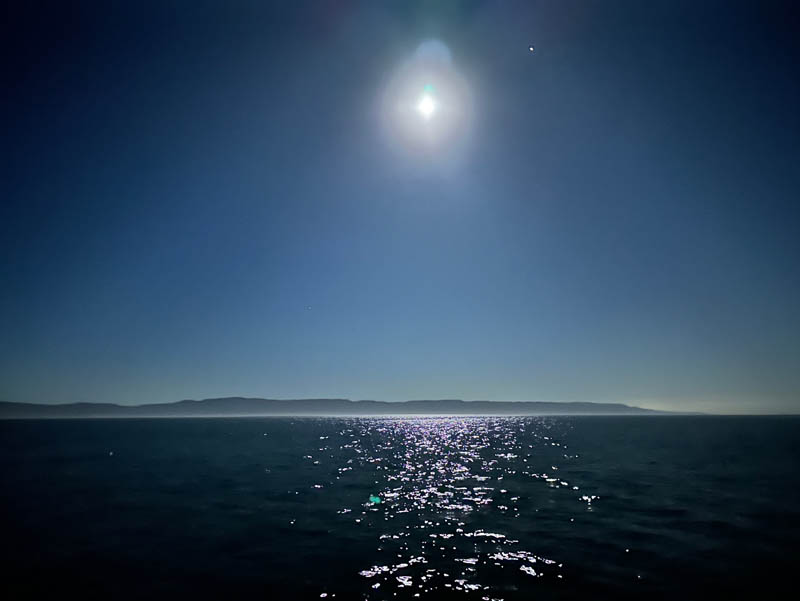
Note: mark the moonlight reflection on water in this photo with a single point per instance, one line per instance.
(442, 482)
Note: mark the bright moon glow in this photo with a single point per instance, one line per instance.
(426, 106)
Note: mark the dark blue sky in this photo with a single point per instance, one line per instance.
(617, 220)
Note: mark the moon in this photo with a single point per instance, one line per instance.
(426, 106)
(427, 103)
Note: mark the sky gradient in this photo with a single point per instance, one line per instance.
(202, 200)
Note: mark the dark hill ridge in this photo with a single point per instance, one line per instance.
(245, 407)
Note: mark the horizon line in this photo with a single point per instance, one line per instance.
(390, 402)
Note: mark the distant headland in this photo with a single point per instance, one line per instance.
(256, 407)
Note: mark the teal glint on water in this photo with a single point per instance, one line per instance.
(374, 499)
(429, 88)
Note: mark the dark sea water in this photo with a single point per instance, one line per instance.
(470, 508)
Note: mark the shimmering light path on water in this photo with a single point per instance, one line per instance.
(437, 473)
(358, 508)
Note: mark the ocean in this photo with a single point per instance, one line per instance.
(480, 508)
